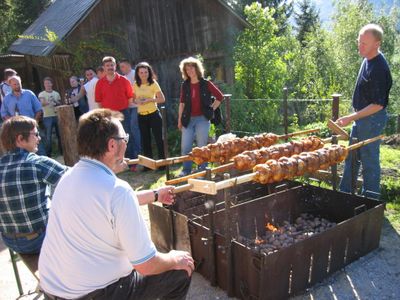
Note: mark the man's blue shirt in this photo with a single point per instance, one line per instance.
(373, 83)
(28, 104)
(24, 177)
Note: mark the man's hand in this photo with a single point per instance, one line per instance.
(179, 124)
(166, 195)
(183, 261)
(344, 121)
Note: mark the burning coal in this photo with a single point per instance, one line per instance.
(277, 237)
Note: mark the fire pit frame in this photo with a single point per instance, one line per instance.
(244, 272)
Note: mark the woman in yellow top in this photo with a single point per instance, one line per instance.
(147, 95)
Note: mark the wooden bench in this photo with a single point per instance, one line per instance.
(30, 260)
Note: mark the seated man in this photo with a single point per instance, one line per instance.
(24, 178)
(97, 245)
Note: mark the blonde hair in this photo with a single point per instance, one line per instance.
(191, 61)
(374, 29)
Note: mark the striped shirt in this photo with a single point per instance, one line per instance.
(24, 177)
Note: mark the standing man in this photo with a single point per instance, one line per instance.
(370, 98)
(24, 178)
(129, 73)
(103, 249)
(115, 92)
(22, 102)
(50, 99)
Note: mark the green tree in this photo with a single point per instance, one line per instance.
(260, 54)
(283, 9)
(5, 25)
(25, 12)
(307, 20)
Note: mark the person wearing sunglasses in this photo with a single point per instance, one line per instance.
(97, 245)
(24, 178)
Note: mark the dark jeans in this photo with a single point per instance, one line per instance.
(151, 123)
(169, 285)
(24, 245)
(126, 123)
(51, 123)
(136, 142)
(368, 155)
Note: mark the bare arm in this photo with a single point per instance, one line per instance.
(180, 111)
(165, 196)
(365, 112)
(158, 99)
(215, 104)
(162, 262)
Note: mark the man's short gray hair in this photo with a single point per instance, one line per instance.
(374, 29)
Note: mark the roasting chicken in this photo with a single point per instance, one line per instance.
(299, 164)
(248, 159)
(223, 152)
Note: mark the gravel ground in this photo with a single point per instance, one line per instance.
(375, 276)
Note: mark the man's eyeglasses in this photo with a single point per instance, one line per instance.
(125, 138)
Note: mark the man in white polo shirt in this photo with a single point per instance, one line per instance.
(97, 245)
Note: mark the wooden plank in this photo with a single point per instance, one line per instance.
(203, 186)
(147, 162)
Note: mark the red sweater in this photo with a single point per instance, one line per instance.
(114, 95)
(195, 92)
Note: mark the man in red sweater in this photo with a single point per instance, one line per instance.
(115, 92)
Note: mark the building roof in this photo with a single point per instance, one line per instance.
(62, 17)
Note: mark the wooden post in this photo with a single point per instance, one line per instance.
(68, 133)
(227, 112)
(335, 140)
(165, 139)
(335, 106)
(285, 110)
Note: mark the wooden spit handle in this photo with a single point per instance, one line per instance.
(172, 160)
(132, 161)
(365, 142)
(337, 129)
(298, 133)
(182, 188)
(218, 169)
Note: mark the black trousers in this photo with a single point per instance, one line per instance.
(171, 285)
(148, 124)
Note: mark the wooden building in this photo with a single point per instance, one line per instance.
(161, 32)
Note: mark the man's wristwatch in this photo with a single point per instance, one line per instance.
(155, 195)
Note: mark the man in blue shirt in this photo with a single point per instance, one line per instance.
(20, 101)
(24, 178)
(370, 98)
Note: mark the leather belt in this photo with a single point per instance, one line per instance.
(27, 235)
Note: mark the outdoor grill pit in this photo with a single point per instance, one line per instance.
(314, 232)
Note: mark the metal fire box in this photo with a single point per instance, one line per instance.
(203, 226)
